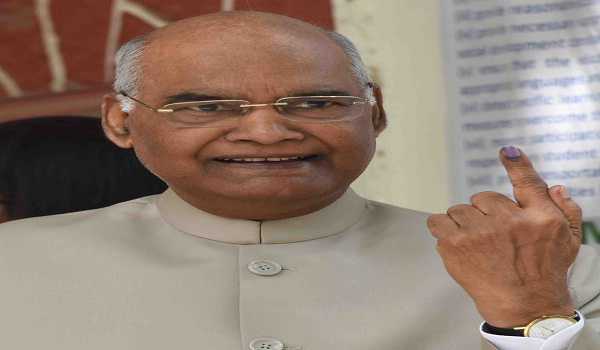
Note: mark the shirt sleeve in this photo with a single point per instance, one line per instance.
(562, 340)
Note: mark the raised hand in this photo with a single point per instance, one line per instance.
(512, 257)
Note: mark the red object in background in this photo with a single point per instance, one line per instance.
(82, 29)
(82, 26)
(22, 54)
(167, 10)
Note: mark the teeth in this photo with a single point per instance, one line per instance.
(251, 160)
(280, 159)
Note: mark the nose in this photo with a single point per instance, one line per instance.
(264, 125)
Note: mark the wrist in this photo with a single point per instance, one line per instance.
(519, 316)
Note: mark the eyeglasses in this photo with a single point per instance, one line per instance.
(219, 113)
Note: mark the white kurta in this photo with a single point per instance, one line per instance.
(156, 273)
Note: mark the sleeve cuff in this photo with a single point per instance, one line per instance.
(560, 341)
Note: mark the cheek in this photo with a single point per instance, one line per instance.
(360, 153)
(169, 152)
(352, 146)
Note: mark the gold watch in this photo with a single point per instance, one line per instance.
(546, 326)
(543, 327)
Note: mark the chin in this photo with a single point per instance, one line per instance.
(277, 192)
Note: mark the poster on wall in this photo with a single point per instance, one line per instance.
(525, 73)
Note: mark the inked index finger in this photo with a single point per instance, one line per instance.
(528, 187)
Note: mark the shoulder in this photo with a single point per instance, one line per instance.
(79, 240)
(393, 213)
(80, 223)
(401, 229)
(386, 217)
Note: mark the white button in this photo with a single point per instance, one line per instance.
(264, 267)
(266, 344)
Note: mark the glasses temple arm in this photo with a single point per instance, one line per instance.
(123, 93)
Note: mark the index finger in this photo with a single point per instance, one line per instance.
(528, 187)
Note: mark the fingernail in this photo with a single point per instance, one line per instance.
(511, 152)
(564, 192)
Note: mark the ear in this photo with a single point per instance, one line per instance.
(379, 117)
(115, 122)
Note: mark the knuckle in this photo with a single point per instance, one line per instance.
(481, 196)
(433, 220)
(437, 224)
(532, 181)
(489, 197)
(458, 209)
(549, 220)
(515, 220)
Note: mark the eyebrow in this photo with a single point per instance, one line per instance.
(321, 93)
(188, 96)
(191, 96)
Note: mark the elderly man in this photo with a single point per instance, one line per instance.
(259, 123)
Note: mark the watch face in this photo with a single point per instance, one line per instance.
(548, 327)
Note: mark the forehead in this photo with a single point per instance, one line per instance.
(244, 60)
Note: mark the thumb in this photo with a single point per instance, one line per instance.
(571, 210)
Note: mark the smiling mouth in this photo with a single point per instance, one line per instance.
(266, 160)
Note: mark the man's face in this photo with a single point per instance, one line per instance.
(260, 68)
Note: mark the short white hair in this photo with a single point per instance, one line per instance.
(128, 70)
(357, 66)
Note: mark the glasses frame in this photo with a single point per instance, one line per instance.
(247, 105)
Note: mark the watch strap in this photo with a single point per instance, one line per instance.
(515, 332)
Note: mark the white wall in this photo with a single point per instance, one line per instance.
(400, 42)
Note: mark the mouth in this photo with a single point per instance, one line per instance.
(271, 160)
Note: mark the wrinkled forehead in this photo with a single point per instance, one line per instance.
(243, 57)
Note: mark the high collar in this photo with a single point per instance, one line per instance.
(334, 218)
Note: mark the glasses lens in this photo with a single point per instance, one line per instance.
(206, 112)
(323, 107)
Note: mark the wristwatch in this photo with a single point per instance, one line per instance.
(543, 327)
